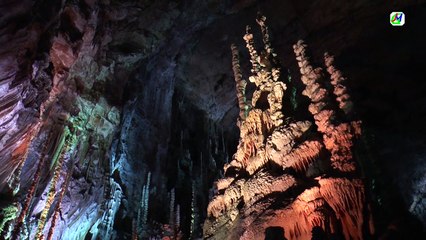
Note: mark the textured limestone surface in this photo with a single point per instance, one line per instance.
(117, 117)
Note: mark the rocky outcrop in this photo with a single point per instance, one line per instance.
(267, 183)
(57, 133)
(65, 67)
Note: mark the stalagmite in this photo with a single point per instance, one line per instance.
(261, 20)
(337, 138)
(267, 182)
(254, 57)
(177, 230)
(142, 215)
(172, 217)
(338, 81)
(240, 83)
(194, 214)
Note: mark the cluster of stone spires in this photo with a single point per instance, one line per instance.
(255, 194)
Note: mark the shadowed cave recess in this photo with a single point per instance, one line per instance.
(138, 120)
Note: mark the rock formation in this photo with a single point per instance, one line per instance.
(267, 184)
(117, 118)
(48, 103)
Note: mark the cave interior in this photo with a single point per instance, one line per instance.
(174, 120)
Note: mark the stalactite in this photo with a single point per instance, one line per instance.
(346, 197)
(52, 189)
(250, 154)
(302, 155)
(305, 213)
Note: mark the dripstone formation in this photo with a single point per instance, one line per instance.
(292, 177)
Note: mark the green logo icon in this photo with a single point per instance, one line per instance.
(397, 18)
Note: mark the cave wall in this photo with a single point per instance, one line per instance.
(145, 89)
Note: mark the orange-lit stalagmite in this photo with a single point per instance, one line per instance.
(337, 80)
(287, 173)
(345, 196)
(338, 138)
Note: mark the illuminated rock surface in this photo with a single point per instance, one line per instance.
(118, 117)
(332, 199)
